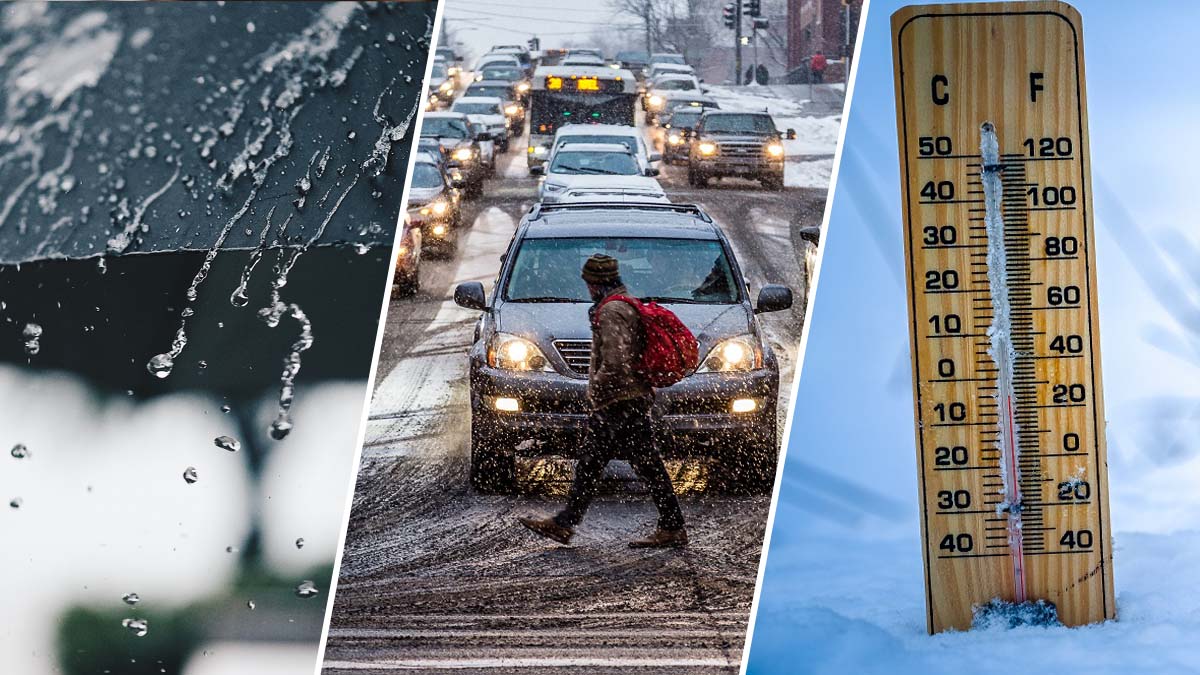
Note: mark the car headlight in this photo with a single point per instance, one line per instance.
(538, 150)
(511, 352)
(523, 87)
(708, 148)
(511, 110)
(452, 70)
(734, 355)
(655, 101)
(446, 86)
(674, 139)
(436, 208)
(775, 150)
(463, 154)
(553, 187)
(402, 251)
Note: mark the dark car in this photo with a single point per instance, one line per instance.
(634, 61)
(434, 206)
(685, 99)
(743, 144)
(507, 73)
(677, 131)
(505, 91)
(441, 86)
(456, 137)
(529, 362)
(408, 261)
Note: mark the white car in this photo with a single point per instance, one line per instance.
(659, 69)
(489, 111)
(667, 84)
(589, 164)
(618, 189)
(628, 136)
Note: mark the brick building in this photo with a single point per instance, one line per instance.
(820, 25)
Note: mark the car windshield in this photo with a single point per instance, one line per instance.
(669, 58)
(438, 71)
(502, 73)
(426, 175)
(740, 124)
(628, 141)
(567, 161)
(639, 57)
(477, 108)
(684, 118)
(666, 270)
(685, 103)
(677, 85)
(444, 127)
(498, 91)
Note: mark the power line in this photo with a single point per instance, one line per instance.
(505, 15)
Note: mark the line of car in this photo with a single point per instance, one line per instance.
(596, 193)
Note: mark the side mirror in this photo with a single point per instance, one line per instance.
(537, 170)
(771, 298)
(469, 294)
(655, 156)
(791, 134)
(651, 171)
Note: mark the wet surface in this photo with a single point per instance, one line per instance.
(437, 577)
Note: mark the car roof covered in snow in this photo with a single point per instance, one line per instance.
(641, 220)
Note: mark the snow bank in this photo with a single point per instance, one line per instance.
(810, 174)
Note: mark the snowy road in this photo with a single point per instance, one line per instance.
(439, 578)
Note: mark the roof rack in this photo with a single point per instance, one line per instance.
(539, 209)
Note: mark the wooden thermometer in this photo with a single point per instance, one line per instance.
(992, 118)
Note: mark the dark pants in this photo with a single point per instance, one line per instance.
(621, 429)
(818, 76)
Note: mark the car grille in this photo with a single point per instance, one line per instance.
(741, 150)
(577, 354)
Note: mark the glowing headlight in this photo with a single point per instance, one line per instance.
(674, 139)
(452, 71)
(707, 148)
(511, 110)
(403, 250)
(511, 352)
(463, 154)
(736, 354)
(775, 150)
(523, 87)
(655, 101)
(614, 66)
(446, 86)
(537, 150)
(436, 208)
(439, 230)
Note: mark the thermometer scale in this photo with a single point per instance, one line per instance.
(992, 123)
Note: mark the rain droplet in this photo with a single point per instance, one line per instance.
(32, 334)
(102, 266)
(231, 549)
(361, 248)
(280, 429)
(131, 599)
(16, 502)
(300, 542)
(189, 475)
(227, 443)
(352, 135)
(160, 366)
(250, 604)
(19, 451)
(306, 589)
(186, 312)
(250, 27)
(139, 627)
(226, 408)
(202, 364)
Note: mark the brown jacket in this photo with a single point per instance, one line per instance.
(617, 339)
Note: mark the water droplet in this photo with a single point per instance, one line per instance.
(32, 335)
(280, 429)
(139, 627)
(250, 27)
(202, 364)
(226, 408)
(102, 266)
(300, 542)
(231, 549)
(227, 443)
(187, 311)
(160, 366)
(131, 599)
(16, 502)
(352, 135)
(189, 475)
(361, 248)
(19, 451)
(239, 298)
(250, 604)
(306, 589)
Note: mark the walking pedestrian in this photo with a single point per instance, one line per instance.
(619, 424)
(817, 67)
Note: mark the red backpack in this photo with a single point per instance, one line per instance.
(671, 351)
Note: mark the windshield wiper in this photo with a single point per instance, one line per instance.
(587, 169)
(546, 298)
(681, 301)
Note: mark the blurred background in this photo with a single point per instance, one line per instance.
(197, 209)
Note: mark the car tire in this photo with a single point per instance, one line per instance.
(772, 183)
(749, 469)
(493, 467)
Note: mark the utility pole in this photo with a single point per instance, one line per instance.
(737, 42)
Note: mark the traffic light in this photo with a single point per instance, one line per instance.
(753, 7)
(729, 12)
